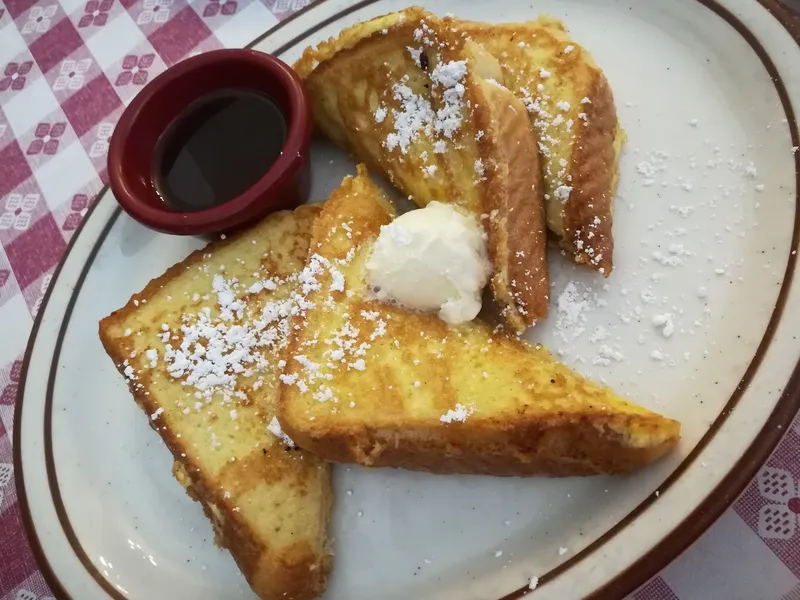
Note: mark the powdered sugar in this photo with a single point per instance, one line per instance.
(416, 54)
(416, 115)
(344, 348)
(215, 350)
(650, 167)
(554, 122)
(665, 323)
(459, 414)
(572, 308)
(606, 354)
(152, 356)
(450, 76)
(562, 192)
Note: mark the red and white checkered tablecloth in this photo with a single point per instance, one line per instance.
(67, 70)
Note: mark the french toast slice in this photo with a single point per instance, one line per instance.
(374, 384)
(580, 140)
(426, 107)
(214, 407)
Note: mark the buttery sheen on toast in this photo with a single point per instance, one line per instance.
(424, 105)
(199, 349)
(572, 109)
(373, 384)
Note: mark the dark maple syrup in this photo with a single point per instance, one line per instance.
(217, 148)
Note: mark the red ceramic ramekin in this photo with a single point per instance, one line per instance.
(130, 157)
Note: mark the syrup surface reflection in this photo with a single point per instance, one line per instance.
(217, 148)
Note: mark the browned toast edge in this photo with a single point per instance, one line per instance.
(513, 197)
(594, 167)
(589, 215)
(565, 446)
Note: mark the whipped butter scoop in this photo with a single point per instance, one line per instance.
(433, 259)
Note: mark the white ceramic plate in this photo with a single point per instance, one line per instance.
(706, 227)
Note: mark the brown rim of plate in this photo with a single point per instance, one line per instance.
(732, 485)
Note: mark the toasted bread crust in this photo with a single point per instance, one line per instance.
(589, 147)
(566, 446)
(513, 204)
(315, 56)
(438, 398)
(297, 571)
(589, 215)
(483, 169)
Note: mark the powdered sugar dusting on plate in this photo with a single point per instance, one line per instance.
(680, 216)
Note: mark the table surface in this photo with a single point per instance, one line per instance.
(67, 70)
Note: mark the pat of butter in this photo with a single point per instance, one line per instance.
(432, 259)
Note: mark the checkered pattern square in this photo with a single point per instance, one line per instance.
(9, 378)
(179, 36)
(8, 285)
(37, 21)
(15, 167)
(72, 74)
(47, 139)
(36, 250)
(70, 213)
(17, 8)
(55, 44)
(19, 210)
(771, 504)
(93, 102)
(92, 16)
(30, 588)
(28, 98)
(134, 70)
(95, 143)
(16, 74)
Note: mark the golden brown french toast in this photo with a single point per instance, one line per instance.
(426, 107)
(377, 385)
(198, 347)
(572, 109)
